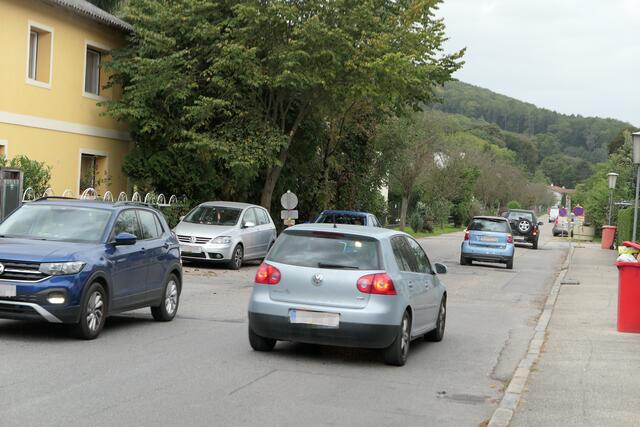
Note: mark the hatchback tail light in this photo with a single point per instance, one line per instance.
(466, 234)
(509, 238)
(379, 284)
(267, 274)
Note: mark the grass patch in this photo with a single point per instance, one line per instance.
(436, 231)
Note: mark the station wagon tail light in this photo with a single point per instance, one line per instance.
(466, 234)
(509, 238)
(379, 284)
(267, 274)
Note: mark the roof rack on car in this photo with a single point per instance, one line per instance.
(129, 202)
(54, 198)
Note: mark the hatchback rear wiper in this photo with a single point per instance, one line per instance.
(347, 267)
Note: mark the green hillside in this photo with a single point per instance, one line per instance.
(563, 147)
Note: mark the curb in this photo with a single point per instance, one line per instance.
(502, 415)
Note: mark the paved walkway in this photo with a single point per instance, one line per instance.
(588, 374)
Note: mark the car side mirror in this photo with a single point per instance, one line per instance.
(248, 224)
(441, 268)
(125, 239)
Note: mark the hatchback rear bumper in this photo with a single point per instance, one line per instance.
(345, 335)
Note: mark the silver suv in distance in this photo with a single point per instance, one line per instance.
(228, 232)
(350, 286)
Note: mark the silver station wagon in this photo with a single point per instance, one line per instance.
(228, 232)
(350, 286)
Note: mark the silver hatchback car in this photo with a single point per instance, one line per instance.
(349, 286)
(227, 232)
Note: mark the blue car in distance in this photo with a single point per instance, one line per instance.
(348, 217)
(76, 261)
(488, 239)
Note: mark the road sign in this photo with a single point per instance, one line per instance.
(289, 214)
(289, 200)
(578, 211)
(562, 212)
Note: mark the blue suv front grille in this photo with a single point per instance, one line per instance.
(22, 271)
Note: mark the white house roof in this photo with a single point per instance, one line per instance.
(90, 11)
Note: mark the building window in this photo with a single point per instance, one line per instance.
(40, 55)
(93, 172)
(33, 54)
(92, 72)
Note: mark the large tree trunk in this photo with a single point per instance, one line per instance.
(403, 211)
(273, 173)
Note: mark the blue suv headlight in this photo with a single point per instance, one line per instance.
(61, 268)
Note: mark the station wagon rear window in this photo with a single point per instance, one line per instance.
(326, 250)
(493, 225)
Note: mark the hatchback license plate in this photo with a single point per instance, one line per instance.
(319, 318)
(190, 249)
(489, 239)
(7, 290)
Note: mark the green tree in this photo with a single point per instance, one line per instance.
(232, 83)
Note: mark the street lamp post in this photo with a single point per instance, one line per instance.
(613, 177)
(636, 162)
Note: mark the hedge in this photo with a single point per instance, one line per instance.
(625, 224)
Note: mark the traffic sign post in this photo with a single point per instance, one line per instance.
(289, 201)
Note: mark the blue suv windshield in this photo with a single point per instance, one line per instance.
(57, 223)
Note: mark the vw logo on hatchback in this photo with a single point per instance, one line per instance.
(1, 268)
(317, 279)
(193, 239)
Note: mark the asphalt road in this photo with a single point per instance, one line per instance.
(200, 370)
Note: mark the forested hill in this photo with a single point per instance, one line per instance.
(573, 135)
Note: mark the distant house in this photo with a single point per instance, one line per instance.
(51, 79)
(558, 192)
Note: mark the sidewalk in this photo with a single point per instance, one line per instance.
(588, 374)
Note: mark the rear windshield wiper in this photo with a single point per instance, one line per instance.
(347, 267)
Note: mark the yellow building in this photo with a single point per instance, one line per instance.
(51, 78)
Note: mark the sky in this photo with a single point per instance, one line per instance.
(571, 56)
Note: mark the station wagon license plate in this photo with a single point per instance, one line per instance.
(7, 290)
(190, 249)
(319, 318)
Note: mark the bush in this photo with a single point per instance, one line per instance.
(173, 213)
(36, 174)
(514, 204)
(625, 225)
(416, 222)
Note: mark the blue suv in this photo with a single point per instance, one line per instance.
(76, 261)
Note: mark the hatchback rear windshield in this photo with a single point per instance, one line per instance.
(214, 215)
(340, 218)
(58, 223)
(485, 224)
(326, 250)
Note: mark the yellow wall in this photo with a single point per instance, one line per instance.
(64, 101)
(64, 159)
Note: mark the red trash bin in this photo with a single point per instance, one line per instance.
(608, 235)
(629, 294)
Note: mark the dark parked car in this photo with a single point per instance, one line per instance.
(524, 226)
(76, 261)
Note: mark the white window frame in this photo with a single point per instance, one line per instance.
(103, 49)
(4, 143)
(35, 26)
(90, 152)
